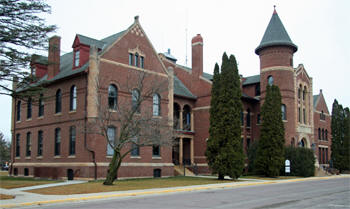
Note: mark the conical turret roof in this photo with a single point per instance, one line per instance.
(275, 35)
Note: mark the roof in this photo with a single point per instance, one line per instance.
(245, 96)
(275, 35)
(315, 99)
(251, 80)
(90, 41)
(208, 76)
(39, 59)
(181, 90)
(169, 56)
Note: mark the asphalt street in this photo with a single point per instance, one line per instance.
(329, 193)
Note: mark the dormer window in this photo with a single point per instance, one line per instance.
(76, 58)
(33, 71)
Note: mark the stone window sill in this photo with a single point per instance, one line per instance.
(57, 156)
(72, 111)
(135, 157)
(156, 157)
(58, 114)
(71, 156)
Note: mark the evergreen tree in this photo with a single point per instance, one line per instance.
(270, 154)
(22, 31)
(340, 126)
(224, 150)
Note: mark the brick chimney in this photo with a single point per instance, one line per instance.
(197, 55)
(54, 56)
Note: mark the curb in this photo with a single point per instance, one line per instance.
(167, 190)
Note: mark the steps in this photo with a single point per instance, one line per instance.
(179, 171)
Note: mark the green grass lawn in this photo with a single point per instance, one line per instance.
(130, 184)
(10, 182)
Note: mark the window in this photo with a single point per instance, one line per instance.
(156, 105)
(299, 92)
(177, 116)
(155, 150)
(322, 116)
(57, 141)
(111, 139)
(258, 119)
(28, 145)
(284, 112)
(135, 100)
(322, 134)
(257, 90)
(299, 115)
(319, 133)
(33, 71)
(304, 115)
(112, 97)
(18, 110)
(29, 108)
(76, 58)
(319, 155)
(58, 101)
(186, 117)
(326, 134)
(270, 80)
(73, 98)
(248, 118)
(41, 106)
(142, 60)
(18, 141)
(72, 137)
(248, 143)
(131, 59)
(304, 94)
(40, 143)
(242, 118)
(136, 60)
(135, 148)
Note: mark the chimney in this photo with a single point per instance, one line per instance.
(54, 56)
(197, 55)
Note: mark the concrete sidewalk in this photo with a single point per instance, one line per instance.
(27, 199)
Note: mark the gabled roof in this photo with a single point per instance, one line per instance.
(251, 80)
(275, 35)
(181, 90)
(90, 41)
(208, 76)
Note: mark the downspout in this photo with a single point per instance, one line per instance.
(85, 134)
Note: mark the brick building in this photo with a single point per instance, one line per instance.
(47, 143)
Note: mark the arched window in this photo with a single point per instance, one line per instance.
(58, 101)
(135, 100)
(284, 112)
(304, 93)
(19, 110)
(136, 59)
(326, 134)
(156, 105)
(41, 105)
(72, 139)
(299, 91)
(270, 80)
(322, 134)
(73, 98)
(112, 97)
(29, 108)
(302, 143)
(319, 133)
(57, 141)
(186, 118)
(248, 118)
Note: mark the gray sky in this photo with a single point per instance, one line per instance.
(320, 29)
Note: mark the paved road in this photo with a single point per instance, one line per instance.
(331, 193)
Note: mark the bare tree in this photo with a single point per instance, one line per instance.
(138, 127)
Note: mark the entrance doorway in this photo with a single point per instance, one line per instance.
(70, 174)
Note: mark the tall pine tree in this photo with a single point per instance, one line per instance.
(224, 148)
(270, 154)
(340, 126)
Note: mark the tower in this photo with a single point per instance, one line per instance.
(276, 51)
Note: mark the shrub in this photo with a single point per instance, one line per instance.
(302, 161)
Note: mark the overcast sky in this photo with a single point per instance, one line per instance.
(320, 29)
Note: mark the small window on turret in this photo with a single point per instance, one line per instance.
(270, 80)
(291, 62)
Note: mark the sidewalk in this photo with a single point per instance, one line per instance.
(27, 199)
